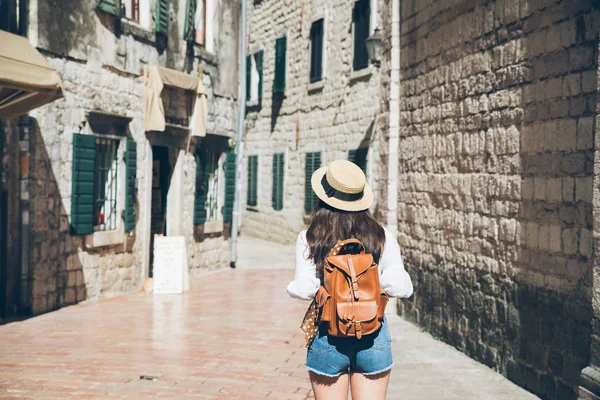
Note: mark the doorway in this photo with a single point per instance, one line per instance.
(161, 176)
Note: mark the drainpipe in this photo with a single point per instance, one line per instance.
(24, 142)
(394, 122)
(240, 130)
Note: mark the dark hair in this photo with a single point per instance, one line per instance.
(329, 225)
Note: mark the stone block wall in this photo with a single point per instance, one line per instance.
(331, 119)
(101, 71)
(498, 105)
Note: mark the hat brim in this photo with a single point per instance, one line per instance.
(345, 205)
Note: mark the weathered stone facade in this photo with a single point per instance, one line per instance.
(496, 160)
(332, 116)
(100, 59)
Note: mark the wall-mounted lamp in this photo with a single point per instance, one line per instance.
(374, 47)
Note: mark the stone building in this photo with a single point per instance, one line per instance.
(88, 186)
(496, 207)
(313, 97)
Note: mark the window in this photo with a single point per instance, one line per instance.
(212, 193)
(252, 197)
(208, 203)
(254, 77)
(361, 18)
(359, 157)
(313, 163)
(278, 172)
(280, 65)
(100, 196)
(201, 20)
(132, 10)
(105, 184)
(316, 51)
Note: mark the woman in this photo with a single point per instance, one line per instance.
(343, 213)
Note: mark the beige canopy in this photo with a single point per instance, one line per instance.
(155, 78)
(27, 80)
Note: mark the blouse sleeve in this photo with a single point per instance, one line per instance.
(394, 279)
(305, 283)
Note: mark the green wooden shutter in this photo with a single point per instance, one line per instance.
(316, 51)
(229, 186)
(252, 197)
(130, 179)
(161, 20)
(259, 67)
(201, 186)
(280, 65)
(278, 174)
(82, 196)
(109, 6)
(248, 78)
(361, 33)
(313, 162)
(189, 27)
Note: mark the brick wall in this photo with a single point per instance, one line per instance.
(332, 119)
(495, 193)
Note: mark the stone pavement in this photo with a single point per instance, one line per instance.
(235, 335)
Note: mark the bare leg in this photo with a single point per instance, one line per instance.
(326, 388)
(369, 387)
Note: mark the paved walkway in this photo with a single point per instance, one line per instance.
(235, 335)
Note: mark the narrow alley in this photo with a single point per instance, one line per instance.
(234, 335)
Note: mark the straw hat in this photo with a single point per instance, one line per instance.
(342, 185)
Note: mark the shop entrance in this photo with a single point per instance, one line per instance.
(161, 176)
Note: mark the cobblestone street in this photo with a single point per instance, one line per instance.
(234, 335)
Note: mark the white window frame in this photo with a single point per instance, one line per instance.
(210, 16)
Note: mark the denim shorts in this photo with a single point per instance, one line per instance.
(332, 356)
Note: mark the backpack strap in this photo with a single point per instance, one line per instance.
(336, 249)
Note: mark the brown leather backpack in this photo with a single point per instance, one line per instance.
(351, 296)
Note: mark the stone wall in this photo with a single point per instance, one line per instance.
(101, 71)
(331, 119)
(498, 100)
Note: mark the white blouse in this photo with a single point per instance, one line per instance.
(393, 278)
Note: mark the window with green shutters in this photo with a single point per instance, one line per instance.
(229, 186)
(112, 7)
(97, 184)
(252, 196)
(200, 195)
(316, 51)
(280, 65)
(130, 184)
(278, 175)
(161, 20)
(313, 163)
(359, 157)
(362, 16)
(82, 196)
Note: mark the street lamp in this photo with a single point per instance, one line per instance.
(374, 47)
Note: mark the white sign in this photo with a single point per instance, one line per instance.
(170, 271)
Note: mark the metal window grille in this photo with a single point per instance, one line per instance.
(212, 197)
(106, 184)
